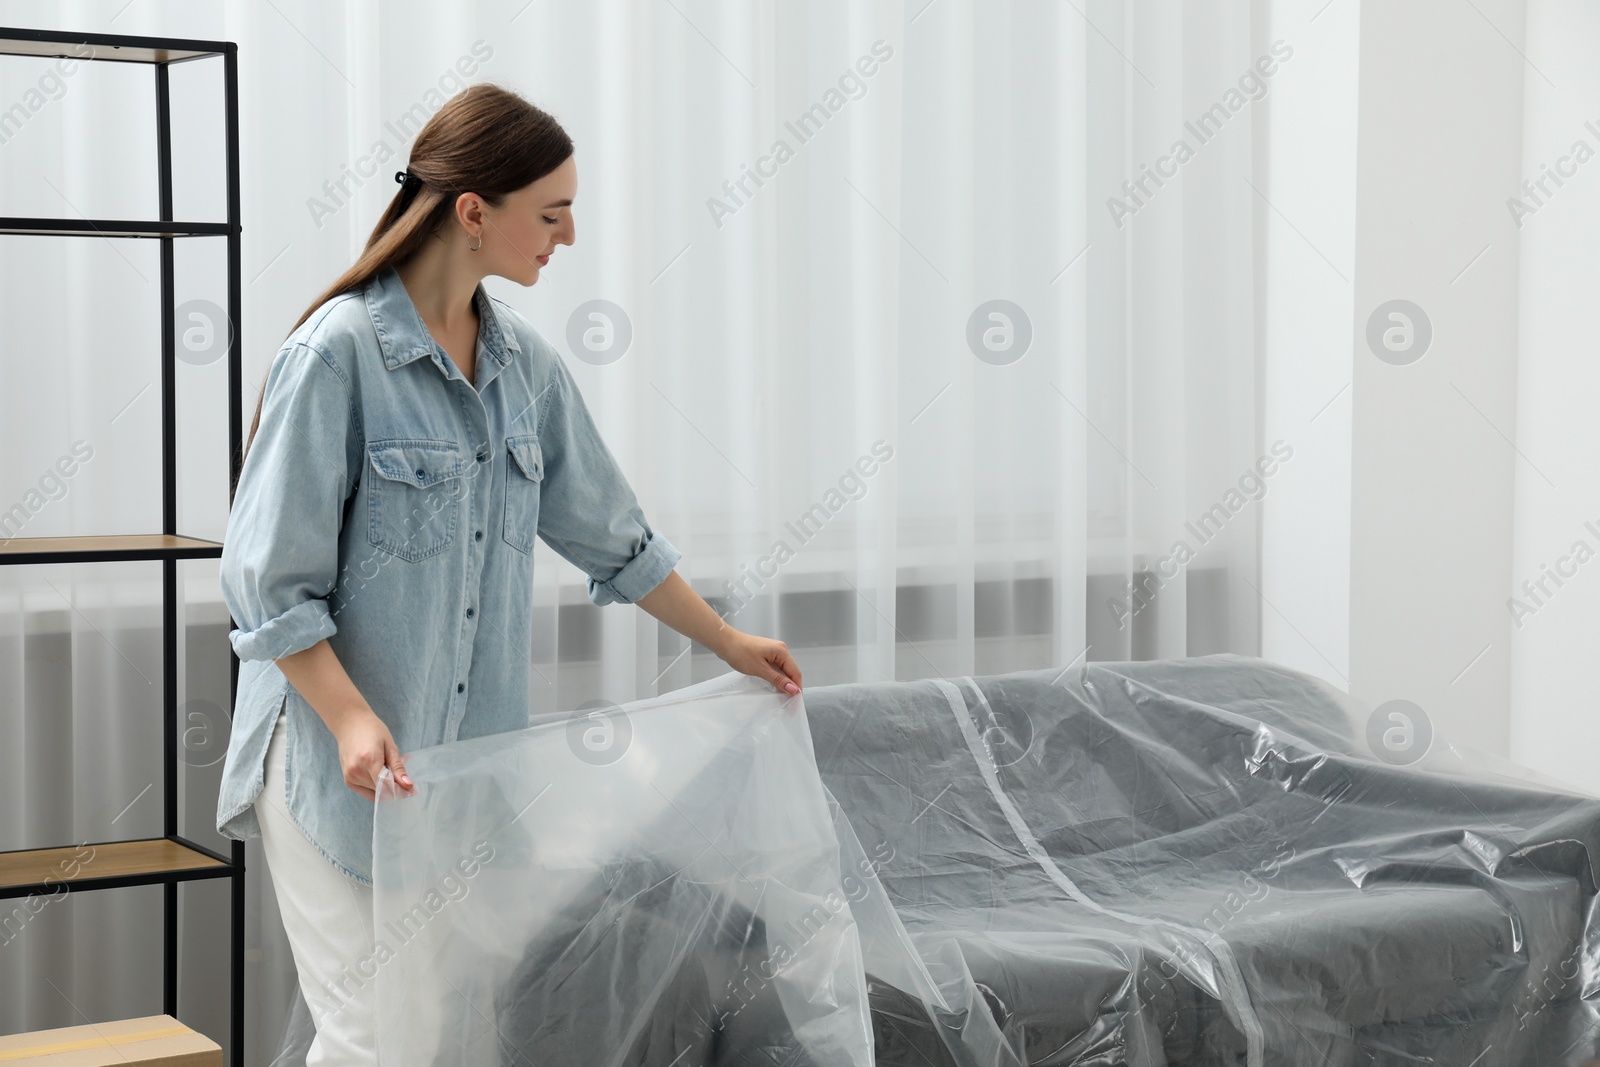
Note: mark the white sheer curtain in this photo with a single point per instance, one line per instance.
(920, 401)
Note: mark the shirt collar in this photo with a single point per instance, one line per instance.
(403, 335)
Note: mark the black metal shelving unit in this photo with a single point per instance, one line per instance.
(171, 858)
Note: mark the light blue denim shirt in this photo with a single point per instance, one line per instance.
(390, 506)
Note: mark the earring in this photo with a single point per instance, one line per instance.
(474, 248)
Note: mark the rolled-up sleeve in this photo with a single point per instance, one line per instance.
(280, 556)
(588, 512)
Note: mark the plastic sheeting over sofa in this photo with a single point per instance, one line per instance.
(1194, 862)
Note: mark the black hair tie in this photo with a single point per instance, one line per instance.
(409, 183)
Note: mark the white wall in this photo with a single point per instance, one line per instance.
(1396, 137)
(1554, 726)
(1308, 230)
(1432, 463)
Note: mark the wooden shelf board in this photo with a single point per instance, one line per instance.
(116, 859)
(107, 548)
(47, 227)
(102, 46)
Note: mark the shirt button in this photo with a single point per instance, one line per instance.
(470, 613)
(478, 535)
(461, 687)
(483, 457)
(422, 474)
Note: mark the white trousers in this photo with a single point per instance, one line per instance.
(328, 917)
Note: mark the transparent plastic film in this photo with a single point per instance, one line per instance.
(656, 884)
(1206, 862)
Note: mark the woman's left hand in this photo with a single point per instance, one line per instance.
(764, 658)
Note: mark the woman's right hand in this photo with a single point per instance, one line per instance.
(365, 744)
(365, 747)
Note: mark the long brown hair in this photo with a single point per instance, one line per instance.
(484, 140)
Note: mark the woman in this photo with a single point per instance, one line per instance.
(413, 436)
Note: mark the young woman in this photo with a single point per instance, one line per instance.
(413, 436)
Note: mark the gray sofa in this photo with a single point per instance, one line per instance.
(1215, 851)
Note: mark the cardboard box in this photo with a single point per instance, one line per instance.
(155, 1041)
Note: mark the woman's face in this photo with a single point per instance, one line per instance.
(520, 235)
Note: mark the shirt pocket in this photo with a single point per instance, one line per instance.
(524, 472)
(413, 502)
